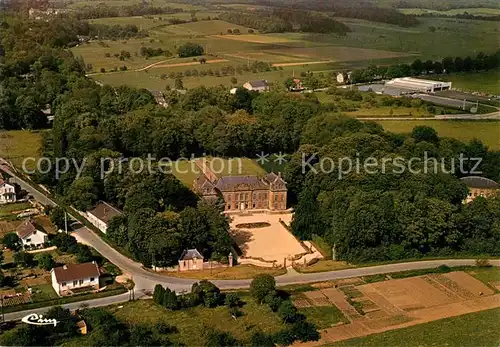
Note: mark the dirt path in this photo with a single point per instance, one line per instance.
(213, 61)
(154, 64)
(304, 63)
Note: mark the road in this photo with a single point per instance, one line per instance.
(145, 280)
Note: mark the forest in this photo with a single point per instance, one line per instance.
(286, 20)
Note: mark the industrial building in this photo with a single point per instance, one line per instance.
(410, 84)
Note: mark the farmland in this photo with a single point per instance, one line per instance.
(19, 144)
(487, 131)
(368, 43)
(473, 329)
(476, 11)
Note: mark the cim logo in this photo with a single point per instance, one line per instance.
(35, 319)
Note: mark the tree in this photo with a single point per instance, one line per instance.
(158, 294)
(288, 312)
(208, 293)
(234, 80)
(24, 259)
(45, 261)
(83, 253)
(12, 241)
(203, 60)
(259, 339)
(170, 300)
(305, 331)
(229, 31)
(65, 243)
(261, 286)
(215, 338)
(178, 84)
(82, 193)
(57, 217)
(232, 300)
(425, 133)
(289, 83)
(190, 49)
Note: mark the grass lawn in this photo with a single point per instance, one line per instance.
(486, 131)
(324, 265)
(193, 322)
(485, 81)
(187, 171)
(473, 329)
(486, 274)
(235, 273)
(16, 145)
(324, 316)
(43, 292)
(18, 206)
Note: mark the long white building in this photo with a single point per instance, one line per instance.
(418, 85)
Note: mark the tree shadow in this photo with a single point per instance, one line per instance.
(241, 238)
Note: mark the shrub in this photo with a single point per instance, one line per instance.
(273, 300)
(170, 300)
(158, 294)
(215, 338)
(260, 339)
(304, 331)
(190, 50)
(232, 300)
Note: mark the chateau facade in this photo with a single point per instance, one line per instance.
(242, 193)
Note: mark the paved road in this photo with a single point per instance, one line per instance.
(146, 280)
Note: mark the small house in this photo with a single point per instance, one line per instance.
(7, 192)
(101, 214)
(258, 86)
(68, 278)
(30, 236)
(191, 259)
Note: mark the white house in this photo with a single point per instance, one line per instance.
(258, 86)
(29, 235)
(101, 214)
(67, 278)
(7, 192)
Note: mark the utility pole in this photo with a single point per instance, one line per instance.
(66, 222)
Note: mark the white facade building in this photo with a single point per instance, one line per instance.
(30, 236)
(101, 214)
(7, 193)
(67, 278)
(418, 85)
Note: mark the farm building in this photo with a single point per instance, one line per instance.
(258, 86)
(418, 85)
(101, 215)
(67, 278)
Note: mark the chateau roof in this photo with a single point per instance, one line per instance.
(233, 182)
(479, 182)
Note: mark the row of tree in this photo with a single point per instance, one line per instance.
(448, 65)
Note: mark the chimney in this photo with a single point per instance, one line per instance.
(65, 267)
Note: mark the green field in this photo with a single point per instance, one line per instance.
(324, 316)
(368, 43)
(192, 323)
(486, 81)
(16, 145)
(473, 329)
(486, 131)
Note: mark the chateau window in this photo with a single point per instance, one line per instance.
(75, 283)
(228, 197)
(237, 197)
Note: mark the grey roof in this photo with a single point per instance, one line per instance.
(479, 182)
(259, 83)
(189, 254)
(104, 211)
(233, 182)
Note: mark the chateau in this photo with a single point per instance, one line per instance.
(242, 193)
